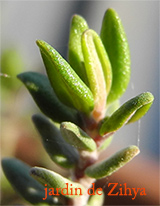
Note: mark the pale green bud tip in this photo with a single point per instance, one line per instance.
(131, 152)
(38, 42)
(148, 96)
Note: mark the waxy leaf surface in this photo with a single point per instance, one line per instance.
(77, 137)
(67, 85)
(112, 164)
(75, 55)
(43, 94)
(60, 151)
(130, 111)
(54, 180)
(17, 173)
(98, 69)
(114, 39)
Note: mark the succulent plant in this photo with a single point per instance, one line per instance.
(80, 95)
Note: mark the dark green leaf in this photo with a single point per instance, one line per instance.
(60, 151)
(18, 175)
(39, 87)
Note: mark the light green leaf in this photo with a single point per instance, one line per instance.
(114, 39)
(137, 106)
(17, 174)
(97, 199)
(43, 94)
(75, 55)
(77, 137)
(59, 151)
(69, 88)
(98, 70)
(114, 163)
(54, 180)
(142, 111)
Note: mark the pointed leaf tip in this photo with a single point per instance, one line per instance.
(71, 90)
(75, 55)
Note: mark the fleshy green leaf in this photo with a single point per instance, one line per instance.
(114, 39)
(142, 111)
(98, 69)
(75, 55)
(17, 174)
(97, 199)
(54, 180)
(111, 165)
(130, 111)
(39, 87)
(59, 151)
(67, 85)
(77, 137)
